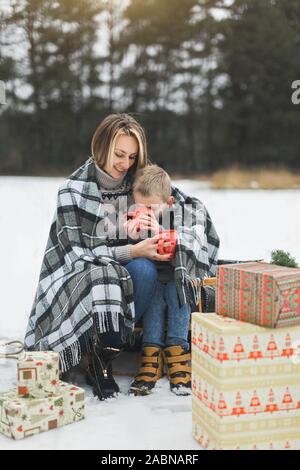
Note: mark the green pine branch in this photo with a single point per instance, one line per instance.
(283, 258)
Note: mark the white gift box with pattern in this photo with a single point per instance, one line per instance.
(23, 417)
(246, 384)
(38, 372)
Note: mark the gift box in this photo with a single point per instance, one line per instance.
(245, 384)
(38, 373)
(260, 293)
(22, 417)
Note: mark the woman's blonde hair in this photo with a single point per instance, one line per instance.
(152, 181)
(106, 134)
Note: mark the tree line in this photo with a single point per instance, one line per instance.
(210, 80)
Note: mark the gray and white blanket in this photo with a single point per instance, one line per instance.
(82, 290)
(197, 247)
(81, 287)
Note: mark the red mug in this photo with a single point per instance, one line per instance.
(167, 236)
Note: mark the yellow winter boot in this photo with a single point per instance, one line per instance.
(151, 370)
(178, 362)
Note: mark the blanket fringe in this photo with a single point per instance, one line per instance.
(102, 320)
(72, 354)
(188, 291)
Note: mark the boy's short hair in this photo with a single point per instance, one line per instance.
(152, 181)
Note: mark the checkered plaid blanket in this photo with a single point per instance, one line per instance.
(197, 247)
(81, 288)
(82, 291)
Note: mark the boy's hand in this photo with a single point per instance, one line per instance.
(149, 222)
(148, 249)
(132, 228)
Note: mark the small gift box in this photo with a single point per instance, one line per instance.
(38, 373)
(23, 417)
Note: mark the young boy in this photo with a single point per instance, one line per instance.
(161, 344)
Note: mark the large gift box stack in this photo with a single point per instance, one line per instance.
(245, 376)
(41, 401)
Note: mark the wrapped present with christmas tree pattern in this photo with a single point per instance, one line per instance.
(245, 384)
(38, 373)
(23, 417)
(261, 293)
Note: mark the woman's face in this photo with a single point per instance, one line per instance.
(124, 156)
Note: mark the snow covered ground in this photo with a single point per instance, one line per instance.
(250, 225)
(159, 421)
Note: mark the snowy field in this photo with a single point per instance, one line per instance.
(250, 224)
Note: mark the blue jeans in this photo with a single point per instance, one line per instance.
(178, 318)
(150, 299)
(144, 277)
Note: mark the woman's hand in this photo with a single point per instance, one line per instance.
(148, 249)
(132, 228)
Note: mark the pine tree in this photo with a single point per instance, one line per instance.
(8, 71)
(59, 71)
(200, 84)
(258, 45)
(154, 42)
(113, 24)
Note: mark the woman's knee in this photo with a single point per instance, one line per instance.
(143, 268)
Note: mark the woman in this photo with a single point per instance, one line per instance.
(85, 299)
(93, 285)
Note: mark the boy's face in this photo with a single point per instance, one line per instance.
(155, 202)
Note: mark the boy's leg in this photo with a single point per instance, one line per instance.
(176, 353)
(178, 318)
(154, 319)
(151, 367)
